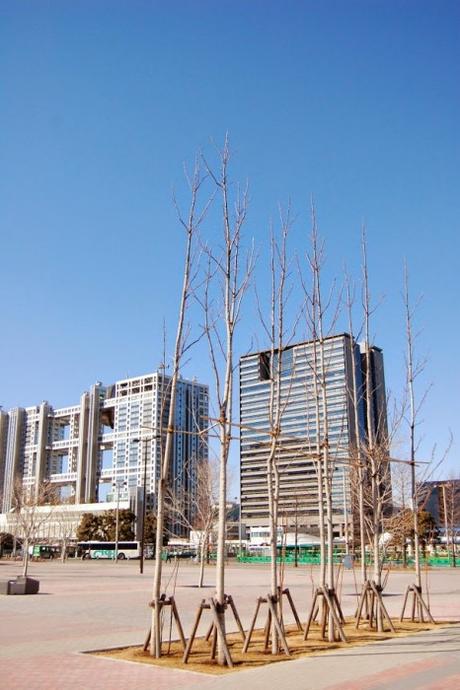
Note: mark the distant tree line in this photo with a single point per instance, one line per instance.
(102, 527)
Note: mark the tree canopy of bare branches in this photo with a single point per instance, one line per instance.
(32, 508)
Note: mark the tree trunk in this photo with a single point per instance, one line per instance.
(273, 537)
(155, 639)
(202, 561)
(25, 563)
(221, 534)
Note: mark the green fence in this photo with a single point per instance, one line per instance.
(314, 559)
(302, 557)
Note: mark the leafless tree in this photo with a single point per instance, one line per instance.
(317, 308)
(197, 512)
(32, 508)
(375, 450)
(278, 387)
(66, 530)
(326, 463)
(183, 343)
(227, 281)
(401, 495)
(65, 525)
(413, 370)
(357, 469)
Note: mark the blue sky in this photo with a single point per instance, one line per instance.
(355, 103)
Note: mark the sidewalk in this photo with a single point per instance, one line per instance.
(84, 606)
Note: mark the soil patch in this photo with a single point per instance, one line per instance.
(199, 660)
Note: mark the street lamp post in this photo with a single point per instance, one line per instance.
(144, 498)
(345, 514)
(239, 525)
(117, 519)
(144, 494)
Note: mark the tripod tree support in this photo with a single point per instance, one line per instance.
(371, 601)
(166, 601)
(272, 615)
(215, 630)
(326, 601)
(418, 604)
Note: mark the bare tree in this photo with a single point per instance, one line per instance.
(226, 284)
(397, 524)
(325, 459)
(183, 342)
(278, 399)
(325, 462)
(32, 508)
(66, 525)
(413, 370)
(375, 454)
(197, 511)
(358, 475)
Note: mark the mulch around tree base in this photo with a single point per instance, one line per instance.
(199, 660)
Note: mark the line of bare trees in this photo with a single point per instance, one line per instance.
(366, 463)
(216, 277)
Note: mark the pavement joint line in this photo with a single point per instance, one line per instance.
(137, 663)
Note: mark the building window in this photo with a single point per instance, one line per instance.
(264, 366)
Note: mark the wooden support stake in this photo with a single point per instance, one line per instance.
(191, 639)
(311, 616)
(404, 604)
(336, 602)
(252, 626)
(214, 642)
(360, 606)
(231, 603)
(413, 608)
(323, 617)
(208, 634)
(178, 621)
(268, 624)
(423, 605)
(287, 593)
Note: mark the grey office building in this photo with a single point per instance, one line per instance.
(298, 482)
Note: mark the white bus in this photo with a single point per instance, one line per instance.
(106, 549)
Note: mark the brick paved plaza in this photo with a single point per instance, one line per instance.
(92, 605)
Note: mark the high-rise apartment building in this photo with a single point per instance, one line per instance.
(98, 449)
(345, 365)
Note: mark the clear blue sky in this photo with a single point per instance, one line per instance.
(354, 102)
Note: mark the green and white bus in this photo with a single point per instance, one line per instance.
(106, 549)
